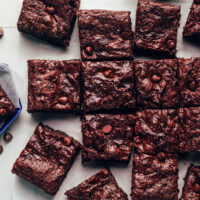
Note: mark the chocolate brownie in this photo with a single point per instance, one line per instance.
(108, 85)
(105, 34)
(46, 158)
(191, 190)
(190, 134)
(189, 81)
(156, 27)
(157, 130)
(99, 186)
(192, 27)
(155, 177)
(107, 137)
(50, 20)
(157, 83)
(6, 106)
(54, 85)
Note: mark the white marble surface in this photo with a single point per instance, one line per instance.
(15, 49)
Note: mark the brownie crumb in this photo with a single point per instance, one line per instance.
(1, 149)
(7, 137)
(1, 32)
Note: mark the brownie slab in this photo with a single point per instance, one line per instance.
(46, 158)
(105, 34)
(192, 27)
(6, 106)
(50, 20)
(54, 85)
(189, 81)
(157, 83)
(191, 190)
(155, 177)
(157, 130)
(107, 137)
(99, 186)
(190, 134)
(108, 85)
(156, 27)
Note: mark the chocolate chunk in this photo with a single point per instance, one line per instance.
(62, 100)
(3, 111)
(1, 149)
(50, 10)
(156, 78)
(197, 188)
(88, 49)
(161, 156)
(7, 137)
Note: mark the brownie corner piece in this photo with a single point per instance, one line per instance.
(107, 137)
(52, 21)
(108, 85)
(54, 85)
(105, 35)
(99, 186)
(46, 158)
(156, 27)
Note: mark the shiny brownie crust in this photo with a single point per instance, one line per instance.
(108, 85)
(156, 27)
(99, 186)
(105, 34)
(50, 20)
(157, 83)
(46, 158)
(54, 85)
(107, 137)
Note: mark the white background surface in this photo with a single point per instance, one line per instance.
(15, 50)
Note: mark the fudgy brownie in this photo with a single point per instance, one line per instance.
(99, 186)
(157, 130)
(156, 27)
(105, 34)
(190, 134)
(107, 137)
(6, 106)
(157, 83)
(189, 81)
(108, 85)
(50, 20)
(155, 177)
(192, 27)
(191, 190)
(54, 85)
(46, 158)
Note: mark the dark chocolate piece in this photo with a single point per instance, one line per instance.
(7, 137)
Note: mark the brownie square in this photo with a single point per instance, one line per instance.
(155, 177)
(156, 27)
(189, 81)
(190, 134)
(105, 34)
(107, 137)
(191, 189)
(99, 186)
(157, 83)
(157, 130)
(192, 27)
(6, 106)
(108, 85)
(46, 158)
(54, 85)
(50, 20)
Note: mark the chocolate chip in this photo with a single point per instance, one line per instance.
(50, 10)
(68, 140)
(1, 32)
(170, 44)
(161, 156)
(125, 35)
(7, 137)
(1, 149)
(3, 111)
(88, 50)
(156, 78)
(197, 188)
(108, 73)
(107, 128)
(62, 100)
(137, 140)
(192, 85)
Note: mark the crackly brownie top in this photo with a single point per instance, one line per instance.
(156, 26)
(54, 85)
(108, 85)
(190, 135)
(98, 187)
(105, 34)
(191, 190)
(157, 130)
(189, 81)
(157, 83)
(51, 20)
(192, 27)
(6, 106)
(107, 137)
(46, 158)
